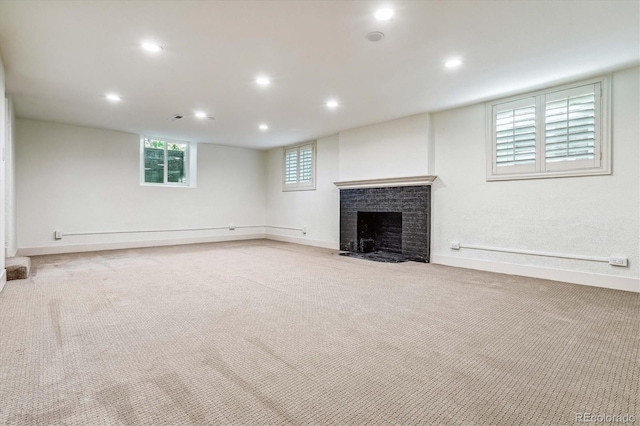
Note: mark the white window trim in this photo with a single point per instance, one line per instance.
(191, 162)
(604, 140)
(300, 186)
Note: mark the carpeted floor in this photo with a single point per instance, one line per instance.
(261, 332)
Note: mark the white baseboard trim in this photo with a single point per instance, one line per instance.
(77, 248)
(304, 241)
(574, 277)
(3, 279)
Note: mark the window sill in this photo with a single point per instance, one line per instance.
(166, 185)
(545, 175)
(298, 189)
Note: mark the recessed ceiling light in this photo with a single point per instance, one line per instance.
(453, 63)
(263, 81)
(201, 114)
(151, 47)
(332, 104)
(113, 97)
(384, 14)
(263, 127)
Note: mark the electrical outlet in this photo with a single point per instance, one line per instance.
(58, 235)
(618, 261)
(231, 227)
(304, 230)
(455, 245)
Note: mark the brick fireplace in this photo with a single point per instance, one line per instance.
(386, 219)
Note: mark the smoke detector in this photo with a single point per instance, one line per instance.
(374, 36)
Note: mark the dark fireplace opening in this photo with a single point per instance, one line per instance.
(379, 231)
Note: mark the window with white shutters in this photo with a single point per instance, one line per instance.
(299, 167)
(552, 133)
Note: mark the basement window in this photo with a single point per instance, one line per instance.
(300, 167)
(563, 131)
(165, 162)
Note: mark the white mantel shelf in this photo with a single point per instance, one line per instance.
(386, 182)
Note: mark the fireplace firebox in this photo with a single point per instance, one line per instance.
(379, 231)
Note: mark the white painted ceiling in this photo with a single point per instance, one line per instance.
(61, 57)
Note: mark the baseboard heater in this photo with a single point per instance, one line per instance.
(60, 234)
(614, 260)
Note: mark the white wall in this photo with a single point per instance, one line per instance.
(79, 179)
(597, 216)
(318, 210)
(391, 149)
(11, 241)
(3, 126)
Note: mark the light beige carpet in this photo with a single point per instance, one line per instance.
(263, 332)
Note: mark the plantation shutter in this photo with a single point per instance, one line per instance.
(291, 166)
(305, 164)
(564, 131)
(515, 136)
(571, 126)
(299, 164)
